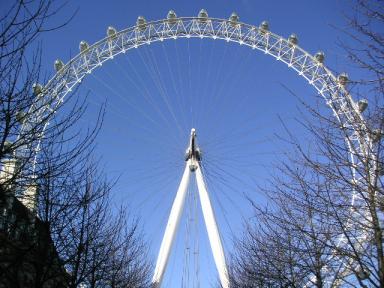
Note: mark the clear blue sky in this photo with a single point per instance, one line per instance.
(232, 95)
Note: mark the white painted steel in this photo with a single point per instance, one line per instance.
(212, 230)
(170, 230)
(307, 66)
(192, 165)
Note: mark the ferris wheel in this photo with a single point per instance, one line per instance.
(259, 38)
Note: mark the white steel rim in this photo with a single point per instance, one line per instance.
(319, 76)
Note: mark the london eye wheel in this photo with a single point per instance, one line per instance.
(257, 39)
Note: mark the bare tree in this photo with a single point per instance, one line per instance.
(287, 245)
(58, 227)
(21, 95)
(327, 201)
(99, 247)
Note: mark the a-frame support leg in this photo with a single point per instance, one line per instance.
(170, 230)
(212, 230)
(193, 157)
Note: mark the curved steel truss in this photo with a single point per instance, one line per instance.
(332, 88)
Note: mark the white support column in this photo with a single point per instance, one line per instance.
(170, 231)
(212, 230)
(193, 157)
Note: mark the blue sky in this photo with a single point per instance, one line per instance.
(232, 95)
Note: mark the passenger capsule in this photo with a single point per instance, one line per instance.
(141, 23)
(83, 46)
(319, 56)
(362, 274)
(58, 65)
(20, 116)
(234, 19)
(111, 32)
(264, 26)
(203, 15)
(376, 135)
(37, 89)
(362, 105)
(171, 16)
(380, 169)
(293, 39)
(7, 146)
(343, 79)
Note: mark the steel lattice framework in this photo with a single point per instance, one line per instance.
(310, 67)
